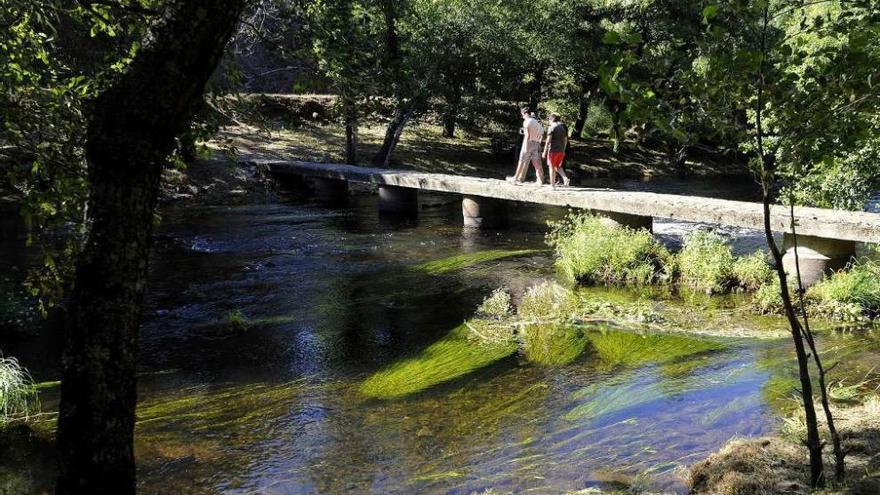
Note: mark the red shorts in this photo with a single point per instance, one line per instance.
(554, 158)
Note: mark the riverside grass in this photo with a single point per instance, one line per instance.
(589, 251)
(850, 296)
(18, 394)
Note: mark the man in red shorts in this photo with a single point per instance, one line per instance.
(554, 149)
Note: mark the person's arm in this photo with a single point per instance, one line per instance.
(546, 146)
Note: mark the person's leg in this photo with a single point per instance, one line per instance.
(539, 170)
(552, 170)
(521, 167)
(565, 180)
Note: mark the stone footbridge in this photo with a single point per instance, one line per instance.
(826, 238)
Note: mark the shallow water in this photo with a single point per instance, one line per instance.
(330, 297)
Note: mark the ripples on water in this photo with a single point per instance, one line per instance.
(331, 297)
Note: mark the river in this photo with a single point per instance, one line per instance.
(263, 322)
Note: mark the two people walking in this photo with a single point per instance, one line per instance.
(554, 149)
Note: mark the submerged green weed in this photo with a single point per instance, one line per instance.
(238, 321)
(589, 252)
(18, 394)
(553, 345)
(632, 349)
(451, 357)
(459, 261)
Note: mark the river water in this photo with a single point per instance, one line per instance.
(263, 322)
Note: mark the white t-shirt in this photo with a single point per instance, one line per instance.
(533, 129)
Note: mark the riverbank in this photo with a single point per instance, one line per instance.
(778, 464)
(423, 147)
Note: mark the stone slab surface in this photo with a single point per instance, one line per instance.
(832, 224)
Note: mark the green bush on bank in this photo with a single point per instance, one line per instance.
(753, 271)
(850, 294)
(590, 251)
(706, 263)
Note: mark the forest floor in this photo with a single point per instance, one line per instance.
(423, 147)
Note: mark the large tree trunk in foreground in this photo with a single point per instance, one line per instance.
(131, 132)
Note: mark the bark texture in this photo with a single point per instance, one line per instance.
(130, 133)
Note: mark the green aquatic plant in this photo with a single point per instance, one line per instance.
(752, 272)
(706, 262)
(849, 295)
(589, 251)
(547, 301)
(238, 321)
(451, 357)
(459, 261)
(768, 299)
(630, 349)
(497, 306)
(553, 345)
(602, 398)
(632, 312)
(18, 394)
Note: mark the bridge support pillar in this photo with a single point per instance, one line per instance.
(398, 200)
(624, 220)
(330, 190)
(483, 213)
(816, 256)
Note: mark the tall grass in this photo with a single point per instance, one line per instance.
(706, 262)
(591, 252)
(849, 294)
(18, 394)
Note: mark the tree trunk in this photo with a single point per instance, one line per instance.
(395, 128)
(450, 114)
(537, 88)
(577, 130)
(351, 132)
(616, 130)
(767, 161)
(351, 142)
(131, 132)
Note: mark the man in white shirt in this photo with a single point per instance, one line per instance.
(533, 133)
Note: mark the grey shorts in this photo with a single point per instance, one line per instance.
(531, 152)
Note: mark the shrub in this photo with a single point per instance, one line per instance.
(752, 272)
(589, 251)
(768, 299)
(706, 262)
(496, 306)
(18, 394)
(546, 301)
(848, 294)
